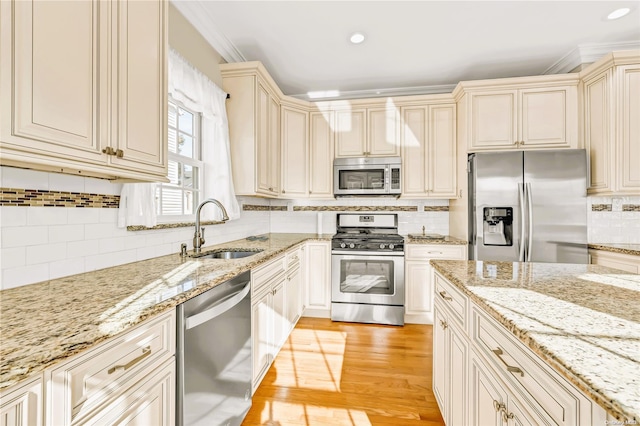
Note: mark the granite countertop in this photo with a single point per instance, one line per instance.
(44, 323)
(583, 320)
(632, 249)
(444, 239)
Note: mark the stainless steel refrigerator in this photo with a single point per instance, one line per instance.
(528, 206)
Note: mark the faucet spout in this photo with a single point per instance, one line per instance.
(198, 236)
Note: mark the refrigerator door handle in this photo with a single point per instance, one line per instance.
(522, 221)
(530, 220)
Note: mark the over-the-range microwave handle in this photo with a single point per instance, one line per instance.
(217, 309)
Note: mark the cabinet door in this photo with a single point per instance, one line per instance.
(458, 356)
(139, 33)
(629, 122)
(548, 117)
(22, 406)
(279, 308)
(486, 396)
(442, 152)
(263, 160)
(493, 120)
(414, 155)
(274, 146)
(383, 132)
(293, 298)
(294, 152)
(318, 280)
(321, 155)
(441, 362)
(51, 76)
(598, 130)
(260, 336)
(419, 289)
(351, 133)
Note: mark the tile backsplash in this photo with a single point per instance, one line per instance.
(614, 220)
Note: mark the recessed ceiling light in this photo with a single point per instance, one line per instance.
(619, 13)
(357, 38)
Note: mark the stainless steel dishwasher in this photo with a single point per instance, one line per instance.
(214, 355)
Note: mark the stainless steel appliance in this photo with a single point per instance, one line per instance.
(214, 355)
(367, 176)
(367, 269)
(528, 206)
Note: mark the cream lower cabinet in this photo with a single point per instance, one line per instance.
(128, 379)
(294, 286)
(321, 146)
(611, 123)
(317, 289)
(624, 262)
(418, 273)
(74, 98)
(483, 375)
(22, 405)
(429, 151)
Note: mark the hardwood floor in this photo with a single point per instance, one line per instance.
(332, 373)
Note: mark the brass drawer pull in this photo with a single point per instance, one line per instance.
(444, 324)
(119, 153)
(510, 368)
(146, 351)
(444, 295)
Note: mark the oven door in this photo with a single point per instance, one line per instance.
(367, 277)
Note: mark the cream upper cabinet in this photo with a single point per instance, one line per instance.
(611, 93)
(76, 100)
(520, 113)
(429, 151)
(370, 132)
(254, 129)
(321, 154)
(295, 150)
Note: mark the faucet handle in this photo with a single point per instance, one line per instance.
(202, 235)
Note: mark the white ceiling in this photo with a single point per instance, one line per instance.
(411, 46)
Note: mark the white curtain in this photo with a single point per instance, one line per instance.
(189, 86)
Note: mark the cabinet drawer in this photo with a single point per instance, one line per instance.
(293, 257)
(435, 251)
(453, 300)
(81, 386)
(265, 273)
(546, 392)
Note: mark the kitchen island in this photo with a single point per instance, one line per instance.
(581, 320)
(45, 323)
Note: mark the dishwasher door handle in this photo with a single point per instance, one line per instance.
(220, 308)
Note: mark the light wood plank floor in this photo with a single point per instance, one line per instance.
(333, 373)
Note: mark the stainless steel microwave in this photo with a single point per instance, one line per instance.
(367, 176)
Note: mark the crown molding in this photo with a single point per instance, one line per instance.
(389, 92)
(587, 54)
(197, 15)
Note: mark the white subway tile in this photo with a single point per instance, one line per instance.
(13, 257)
(46, 253)
(110, 245)
(13, 177)
(21, 236)
(81, 215)
(134, 241)
(47, 215)
(60, 233)
(103, 230)
(13, 216)
(108, 216)
(101, 186)
(16, 277)
(144, 253)
(66, 183)
(79, 249)
(101, 261)
(64, 268)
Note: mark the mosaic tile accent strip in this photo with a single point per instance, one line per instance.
(631, 207)
(436, 208)
(173, 225)
(44, 198)
(255, 208)
(355, 208)
(601, 207)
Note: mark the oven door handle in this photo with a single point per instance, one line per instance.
(368, 253)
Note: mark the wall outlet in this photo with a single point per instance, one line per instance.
(616, 204)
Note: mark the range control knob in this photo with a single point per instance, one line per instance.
(391, 246)
(342, 245)
(382, 246)
(352, 245)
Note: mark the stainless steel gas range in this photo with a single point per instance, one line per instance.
(367, 269)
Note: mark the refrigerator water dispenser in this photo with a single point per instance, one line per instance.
(498, 226)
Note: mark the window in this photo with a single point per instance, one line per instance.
(178, 199)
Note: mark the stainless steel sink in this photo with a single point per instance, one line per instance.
(228, 254)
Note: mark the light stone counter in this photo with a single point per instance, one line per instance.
(583, 320)
(632, 249)
(44, 323)
(446, 239)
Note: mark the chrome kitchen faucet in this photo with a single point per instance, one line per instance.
(198, 236)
